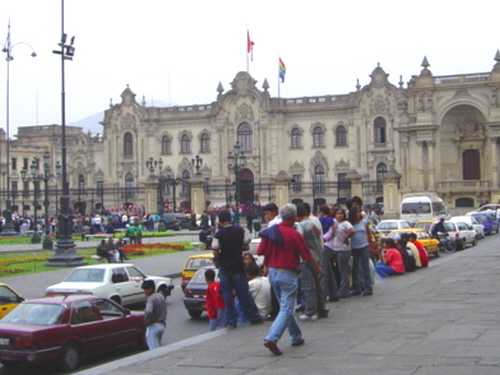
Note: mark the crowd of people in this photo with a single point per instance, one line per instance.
(309, 261)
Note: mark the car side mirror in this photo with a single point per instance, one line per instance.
(127, 312)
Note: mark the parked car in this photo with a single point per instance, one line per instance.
(9, 299)
(473, 222)
(462, 233)
(425, 224)
(194, 293)
(386, 226)
(176, 221)
(193, 264)
(489, 224)
(63, 329)
(120, 282)
(424, 237)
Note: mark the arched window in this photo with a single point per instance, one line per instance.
(380, 131)
(185, 144)
(166, 145)
(245, 137)
(381, 172)
(81, 183)
(205, 143)
(318, 137)
(341, 136)
(319, 179)
(296, 138)
(129, 186)
(186, 176)
(128, 144)
(471, 165)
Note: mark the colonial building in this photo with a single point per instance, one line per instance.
(438, 134)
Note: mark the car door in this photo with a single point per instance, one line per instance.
(136, 277)
(8, 300)
(89, 328)
(118, 323)
(123, 286)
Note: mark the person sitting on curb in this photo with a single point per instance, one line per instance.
(391, 261)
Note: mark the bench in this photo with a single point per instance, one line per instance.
(197, 245)
(31, 232)
(106, 236)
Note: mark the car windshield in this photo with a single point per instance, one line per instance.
(41, 314)
(89, 275)
(199, 262)
(388, 225)
(481, 218)
(199, 276)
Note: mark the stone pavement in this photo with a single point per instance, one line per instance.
(436, 321)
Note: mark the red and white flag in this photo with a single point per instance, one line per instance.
(250, 45)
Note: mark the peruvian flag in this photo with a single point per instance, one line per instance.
(250, 45)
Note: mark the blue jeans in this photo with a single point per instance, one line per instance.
(154, 333)
(361, 278)
(384, 270)
(285, 285)
(219, 322)
(237, 282)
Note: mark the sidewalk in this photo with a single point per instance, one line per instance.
(441, 320)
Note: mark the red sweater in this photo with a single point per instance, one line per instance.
(213, 300)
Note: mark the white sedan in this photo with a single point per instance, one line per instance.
(120, 282)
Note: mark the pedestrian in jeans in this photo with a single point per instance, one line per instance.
(155, 314)
(361, 240)
(282, 247)
(228, 245)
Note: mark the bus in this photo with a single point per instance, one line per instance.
(422, 206)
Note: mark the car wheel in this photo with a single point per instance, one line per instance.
(116, 299)
(195, 313)
(474, 242)
(163, 290)
(69, 358)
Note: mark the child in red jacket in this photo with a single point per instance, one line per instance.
(214, 303)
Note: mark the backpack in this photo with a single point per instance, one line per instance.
(409, 259)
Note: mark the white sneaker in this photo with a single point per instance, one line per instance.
(307, 317)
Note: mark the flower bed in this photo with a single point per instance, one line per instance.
(151, 248)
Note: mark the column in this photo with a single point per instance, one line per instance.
(431, 172)
(151, 196)
(197, 195)
(420, 165)
(282, 186)
(391, 194)
(356, 185)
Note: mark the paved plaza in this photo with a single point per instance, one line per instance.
(440, 320)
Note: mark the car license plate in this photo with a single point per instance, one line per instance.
(4, 341)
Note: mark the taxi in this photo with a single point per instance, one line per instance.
(9, 299)
(193, 264)
(424, 237)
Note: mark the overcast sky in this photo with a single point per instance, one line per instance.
(178, 51)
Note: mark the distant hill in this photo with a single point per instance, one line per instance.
(91, 123)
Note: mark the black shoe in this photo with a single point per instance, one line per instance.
(300, 309)
(272, 347)
(299, 343)
(355, 293)
(367, 292)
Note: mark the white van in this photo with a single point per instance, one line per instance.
(422, 206)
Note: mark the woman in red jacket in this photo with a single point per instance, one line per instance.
(391, 261)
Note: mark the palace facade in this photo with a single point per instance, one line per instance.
(438, 134)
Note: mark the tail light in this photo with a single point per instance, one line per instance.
(188, 293)
(185, 279)
(457, 234)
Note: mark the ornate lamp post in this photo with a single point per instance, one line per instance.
(197, 163)
(35, 178)
(65, 255)
(153, 165)
(236, 162)
(47, 242)
(8, 229)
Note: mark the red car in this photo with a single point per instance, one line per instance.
(63, 329)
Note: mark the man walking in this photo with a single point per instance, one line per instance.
(155, 314)
(228, 245)
(283, 247)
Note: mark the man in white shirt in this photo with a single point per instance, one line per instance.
(260, 289)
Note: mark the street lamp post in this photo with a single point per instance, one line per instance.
(236, 162)
(197, 163)
(153, 165)
(8, 229)
(65, 255)
(47, 242)
(35, 178)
